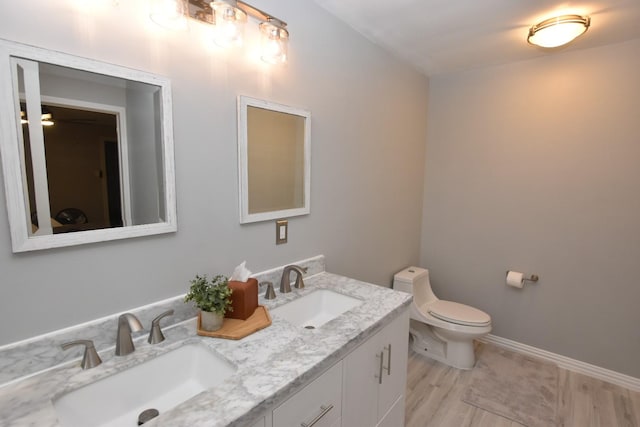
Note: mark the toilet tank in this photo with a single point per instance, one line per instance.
(406, 279)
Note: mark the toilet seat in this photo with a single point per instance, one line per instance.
(457, 313)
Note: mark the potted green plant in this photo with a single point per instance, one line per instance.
(213, 298)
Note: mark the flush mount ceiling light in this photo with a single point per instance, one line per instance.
(227, 19)
(45, 120)
(558, 31)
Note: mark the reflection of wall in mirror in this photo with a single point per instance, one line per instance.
(145, 152)
(141, 103)
(275, 160)
(75, 145)
(64, 82)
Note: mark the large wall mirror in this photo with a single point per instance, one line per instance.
(87, 149)
(274, 158)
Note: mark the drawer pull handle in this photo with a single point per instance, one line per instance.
(323, 411)
(379, 376)
(388, 368)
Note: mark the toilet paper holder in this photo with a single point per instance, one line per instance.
(532, 278)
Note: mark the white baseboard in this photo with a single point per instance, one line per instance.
(574, 365)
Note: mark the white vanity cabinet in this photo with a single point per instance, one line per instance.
(375, 376)
(365, 389)
(262, 422)
(319, 404)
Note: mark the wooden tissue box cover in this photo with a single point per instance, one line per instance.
(244, 299)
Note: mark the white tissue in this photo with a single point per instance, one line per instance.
(240, 273)
(515, 279)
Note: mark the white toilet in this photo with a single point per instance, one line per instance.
(441, 330)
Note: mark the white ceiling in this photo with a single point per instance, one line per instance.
(442, 36)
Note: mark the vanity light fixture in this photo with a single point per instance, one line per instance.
(558, 31)
(274, 40)
(228, 18)
(229, 22)
(170, 14)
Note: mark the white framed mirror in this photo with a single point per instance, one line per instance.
(274, 160)
(87, 149)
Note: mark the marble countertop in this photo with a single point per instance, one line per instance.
(271, 364)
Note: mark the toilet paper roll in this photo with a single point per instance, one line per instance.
(515, 279)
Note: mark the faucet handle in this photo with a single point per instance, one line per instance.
(270, 293)
(155, 335)
(90, 359)
(299, 282)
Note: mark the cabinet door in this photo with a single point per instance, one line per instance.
(260, 423)
(394, 345)
(361, 385)
(395, 416)
(368, 397)
(318, 404)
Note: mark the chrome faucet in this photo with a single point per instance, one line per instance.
(127, 323)
(285, 281)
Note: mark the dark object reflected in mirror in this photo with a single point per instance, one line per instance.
(84, 136)
(72, 217)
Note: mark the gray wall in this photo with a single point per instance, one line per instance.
(368, 141)
(533, 166)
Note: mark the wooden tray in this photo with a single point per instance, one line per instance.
(235, 329)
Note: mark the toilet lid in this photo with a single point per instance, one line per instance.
(459, 313)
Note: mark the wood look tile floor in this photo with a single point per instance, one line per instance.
(434, 392)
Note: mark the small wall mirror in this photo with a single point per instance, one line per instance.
(274, 156)
(87, 149)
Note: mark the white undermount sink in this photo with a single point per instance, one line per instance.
(317, 308)
(160, 383)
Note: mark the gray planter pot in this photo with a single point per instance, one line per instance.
(210, 321)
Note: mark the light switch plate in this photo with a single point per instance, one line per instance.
(282, 231)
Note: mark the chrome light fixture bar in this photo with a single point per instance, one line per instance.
(228, 18)
(558, 31)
